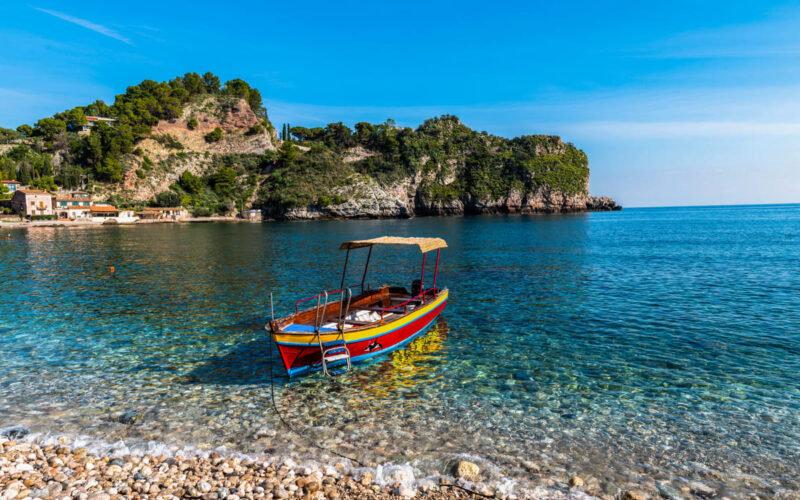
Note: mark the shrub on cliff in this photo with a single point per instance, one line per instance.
(166, 199)
(191, 183)
(109, 170)
(214, 136)
(192, 123)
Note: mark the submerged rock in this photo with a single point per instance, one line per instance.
(130, 417)
(575, 481)
(633, 495)
(14, 433)
(467, 470)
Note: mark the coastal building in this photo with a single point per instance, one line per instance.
(163, 213)
(72, 206)
(251, 215)
(92, 120)
(106, 213)
(31, 202)
(74, 213)
(12, 185)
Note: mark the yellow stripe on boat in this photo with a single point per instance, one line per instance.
(355, 336)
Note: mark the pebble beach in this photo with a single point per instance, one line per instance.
(53, 471)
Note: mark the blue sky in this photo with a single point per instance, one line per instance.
(680, 104)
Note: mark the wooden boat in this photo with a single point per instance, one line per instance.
(342, 328)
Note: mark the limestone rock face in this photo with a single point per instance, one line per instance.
(233, 115)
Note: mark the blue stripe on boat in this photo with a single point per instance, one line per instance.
(306, 328)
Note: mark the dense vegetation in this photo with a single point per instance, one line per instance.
(231, 180)
(99, 156)
(455, 162)
(313, 167)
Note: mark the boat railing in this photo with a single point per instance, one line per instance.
(341, 291)
(405, 304)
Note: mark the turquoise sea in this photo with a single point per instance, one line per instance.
(657, 348)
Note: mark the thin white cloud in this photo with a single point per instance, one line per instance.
(99, 28)
(773, 36)
(684, 129)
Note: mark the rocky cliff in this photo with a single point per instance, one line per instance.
(440, 168)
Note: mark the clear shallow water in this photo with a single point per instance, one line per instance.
(647, 347)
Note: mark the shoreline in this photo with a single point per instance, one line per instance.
(48, 466)
(201, 220)
(58, 471)
(35, 465)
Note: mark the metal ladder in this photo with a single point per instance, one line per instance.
(340, 351)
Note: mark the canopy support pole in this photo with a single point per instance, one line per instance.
(344, 271)
(422, 279)
(364, 276)
(436, 271)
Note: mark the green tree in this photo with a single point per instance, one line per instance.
(192, 123)
(5, 193)
(75, 118)
(288, 154)
(214, 136)
(167, 199)
(191, 183)
(223, 181)
(211, 82)
(25, 129)
(8, 135)
(109, 170)
(49, 128)
(47, 183)
(194, 83)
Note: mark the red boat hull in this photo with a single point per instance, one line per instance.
(300, 359)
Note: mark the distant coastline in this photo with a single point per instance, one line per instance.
(210, 147)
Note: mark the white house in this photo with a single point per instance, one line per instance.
(107, 213)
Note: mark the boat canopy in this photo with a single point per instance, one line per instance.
(424, 244)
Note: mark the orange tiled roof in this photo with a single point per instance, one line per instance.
(32, 191)
(11, 182)
(103, 208)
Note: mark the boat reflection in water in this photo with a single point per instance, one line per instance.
(405, 371)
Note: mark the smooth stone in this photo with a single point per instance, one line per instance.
(701, 490)
(633, 495)
(130, 417)
(575, 481)
(467, 470)
(404, 491)
(668, 492)
(280, 493)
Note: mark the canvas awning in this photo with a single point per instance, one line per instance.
(424, 244)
